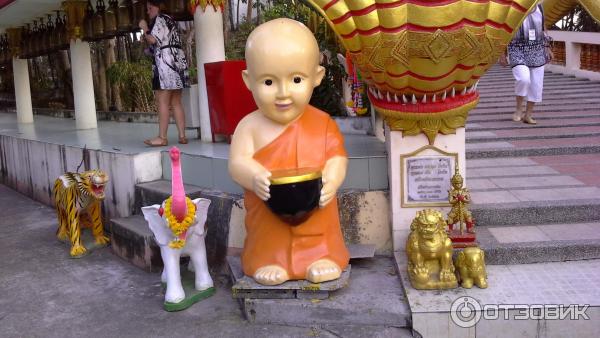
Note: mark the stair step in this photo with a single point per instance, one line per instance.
(506, 124)
(373, 297)
(542, 243)
(533, 147)
(536, 212)
(533, 133)
(132, 240)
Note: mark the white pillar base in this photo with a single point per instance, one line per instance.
(83, 85)
(210, 47)
(398, 146)
(22, 91)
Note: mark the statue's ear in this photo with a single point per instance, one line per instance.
(482, 255)
(157, 224)
(202, 205)
(151, 213)
(319, 75)
(246, 78)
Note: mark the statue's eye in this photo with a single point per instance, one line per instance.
(268, 82)
(297, 79)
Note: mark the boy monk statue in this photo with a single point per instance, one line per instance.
(285, 132)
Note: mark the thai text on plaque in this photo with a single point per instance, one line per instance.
(428, 179)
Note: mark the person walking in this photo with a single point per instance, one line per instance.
(528, 52)
(169, 69)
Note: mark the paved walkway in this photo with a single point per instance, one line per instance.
(44, 293)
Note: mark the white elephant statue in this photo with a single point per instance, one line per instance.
(194, 248)
(178, 225)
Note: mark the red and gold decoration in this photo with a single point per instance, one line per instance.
(422, 60)
(216, 4)
(461, 226)
(75, 10)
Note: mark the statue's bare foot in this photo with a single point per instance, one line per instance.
(323, 270)
(271, 275)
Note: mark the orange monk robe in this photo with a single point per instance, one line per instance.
(308, 142)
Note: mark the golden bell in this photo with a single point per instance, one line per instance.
(48, 36)
(139, 11)
(61, 32)
(179, 10)
(25, 42)
(88, 23)
(4, 51)
(125, 17)
(98, 21)
(75, 18)
(110, 19)
(33, 40)
(12, 41)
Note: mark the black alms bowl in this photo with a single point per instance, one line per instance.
(295, 193)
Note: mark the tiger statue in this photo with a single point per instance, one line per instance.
(78, 198)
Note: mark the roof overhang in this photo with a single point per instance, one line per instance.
(16, 13)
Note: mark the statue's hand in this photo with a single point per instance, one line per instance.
(327, 192)
(261, 185)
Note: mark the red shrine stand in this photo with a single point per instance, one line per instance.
(462, 239)
(228, 98)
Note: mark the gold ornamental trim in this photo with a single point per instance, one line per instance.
(294, 176)
(430, 124)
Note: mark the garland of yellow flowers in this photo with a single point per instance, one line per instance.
(177, 227)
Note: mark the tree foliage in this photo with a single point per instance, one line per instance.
(135, 81)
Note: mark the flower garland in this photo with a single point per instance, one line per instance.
(193, 4)
(179, 229)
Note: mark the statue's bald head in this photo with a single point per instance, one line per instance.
(281, 38)
(282, 60)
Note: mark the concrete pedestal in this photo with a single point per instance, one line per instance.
(397, 145)
(22, 91)
(83, 85)
(210, 47)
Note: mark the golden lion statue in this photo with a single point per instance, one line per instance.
(429, 252)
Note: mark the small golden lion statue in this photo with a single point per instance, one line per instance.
(429, 252)
(470, 264)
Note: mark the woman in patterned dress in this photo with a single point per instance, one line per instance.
(169, 68)
(527, 55)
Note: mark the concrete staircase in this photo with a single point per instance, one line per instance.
(536, 189)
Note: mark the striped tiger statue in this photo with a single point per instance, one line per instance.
(77, 198)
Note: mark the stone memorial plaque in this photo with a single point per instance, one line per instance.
(426, 178)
